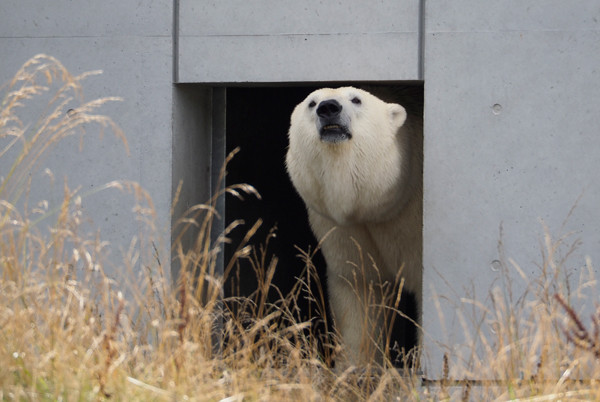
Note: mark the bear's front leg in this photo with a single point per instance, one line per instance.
(352, 303)
(353, 283)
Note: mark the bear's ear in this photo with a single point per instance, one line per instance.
(397, 114)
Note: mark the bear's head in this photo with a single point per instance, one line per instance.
(333, 115)
(348, 156)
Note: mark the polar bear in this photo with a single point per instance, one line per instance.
(356, 161)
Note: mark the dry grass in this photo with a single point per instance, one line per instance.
(67, 332)
(531, 345)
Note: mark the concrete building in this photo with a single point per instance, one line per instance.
(511, 112)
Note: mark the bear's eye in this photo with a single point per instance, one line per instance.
(312, 104)
(356, 101)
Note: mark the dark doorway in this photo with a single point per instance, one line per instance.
(257, 121)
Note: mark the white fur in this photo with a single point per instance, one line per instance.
(368, 189)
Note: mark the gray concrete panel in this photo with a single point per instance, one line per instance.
(511, 140)
(264, 41)
(264, 17)
(84, 18)
(512, 15)
(281, 58)
(192, 157)
(138, 69)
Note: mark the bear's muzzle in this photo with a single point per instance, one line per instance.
(333, 127)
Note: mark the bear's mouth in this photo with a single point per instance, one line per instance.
(334, 133)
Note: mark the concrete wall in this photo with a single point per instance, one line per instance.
(511, 110)
(131, 42)
(242, 41)
(511, 138)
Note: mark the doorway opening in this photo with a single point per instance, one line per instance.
(257, 122)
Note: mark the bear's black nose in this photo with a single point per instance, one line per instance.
(329, 108)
